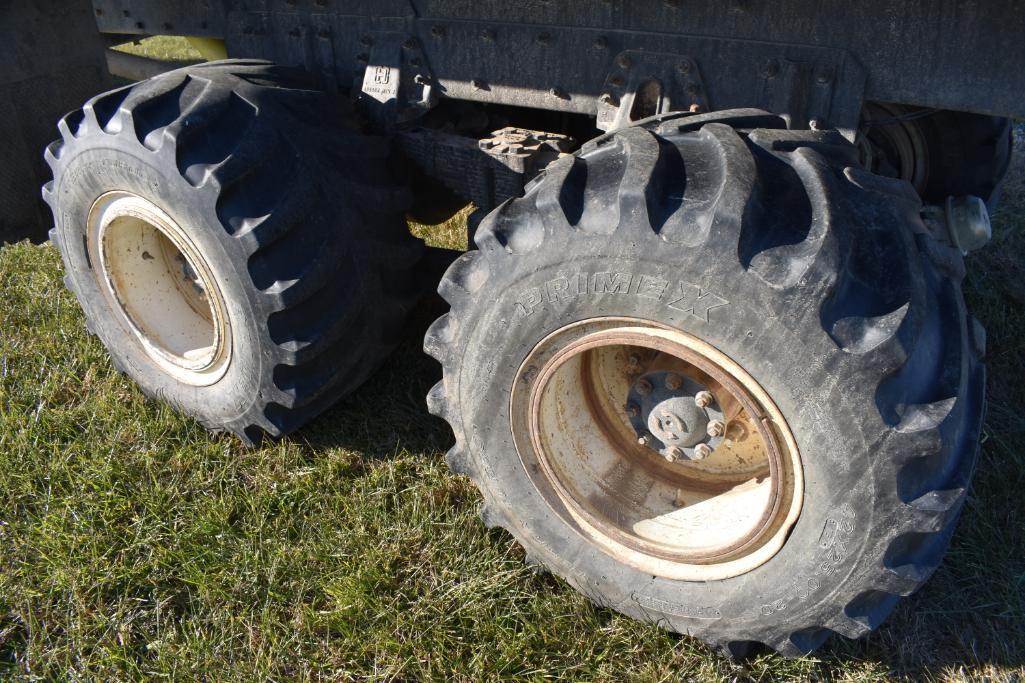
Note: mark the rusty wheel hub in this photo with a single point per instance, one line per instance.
(659, 447)
(675, 415)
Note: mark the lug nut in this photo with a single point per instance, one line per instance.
(643, 387)
(703, 399)
(644, 440)
(633, 410)
(673, 454)
(673, 381)
(716, 428)
(702, 451)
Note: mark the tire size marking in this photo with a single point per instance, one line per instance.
(105, 168)
(676, 609)
(679, 295)
(833, 541)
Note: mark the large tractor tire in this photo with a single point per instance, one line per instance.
(717, 377)
(240, 251)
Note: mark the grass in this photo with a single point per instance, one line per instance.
(134, 545)
(168, 48)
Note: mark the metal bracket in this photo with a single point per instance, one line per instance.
(643, 84)
(802, 91)
(525, 151)
(397, 83)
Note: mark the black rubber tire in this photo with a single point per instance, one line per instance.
(295, 212)
(839, 304)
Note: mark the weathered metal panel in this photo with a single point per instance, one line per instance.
(52, 61)
(568, 70)
(959, 54)
(172, 17)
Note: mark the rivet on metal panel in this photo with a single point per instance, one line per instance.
(771, 68)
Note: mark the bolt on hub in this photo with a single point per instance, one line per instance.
(675, 416)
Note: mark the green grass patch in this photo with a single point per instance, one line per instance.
(169, 48)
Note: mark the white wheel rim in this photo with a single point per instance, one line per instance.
(156, 280)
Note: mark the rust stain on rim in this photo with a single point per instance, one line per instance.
(581, 483)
